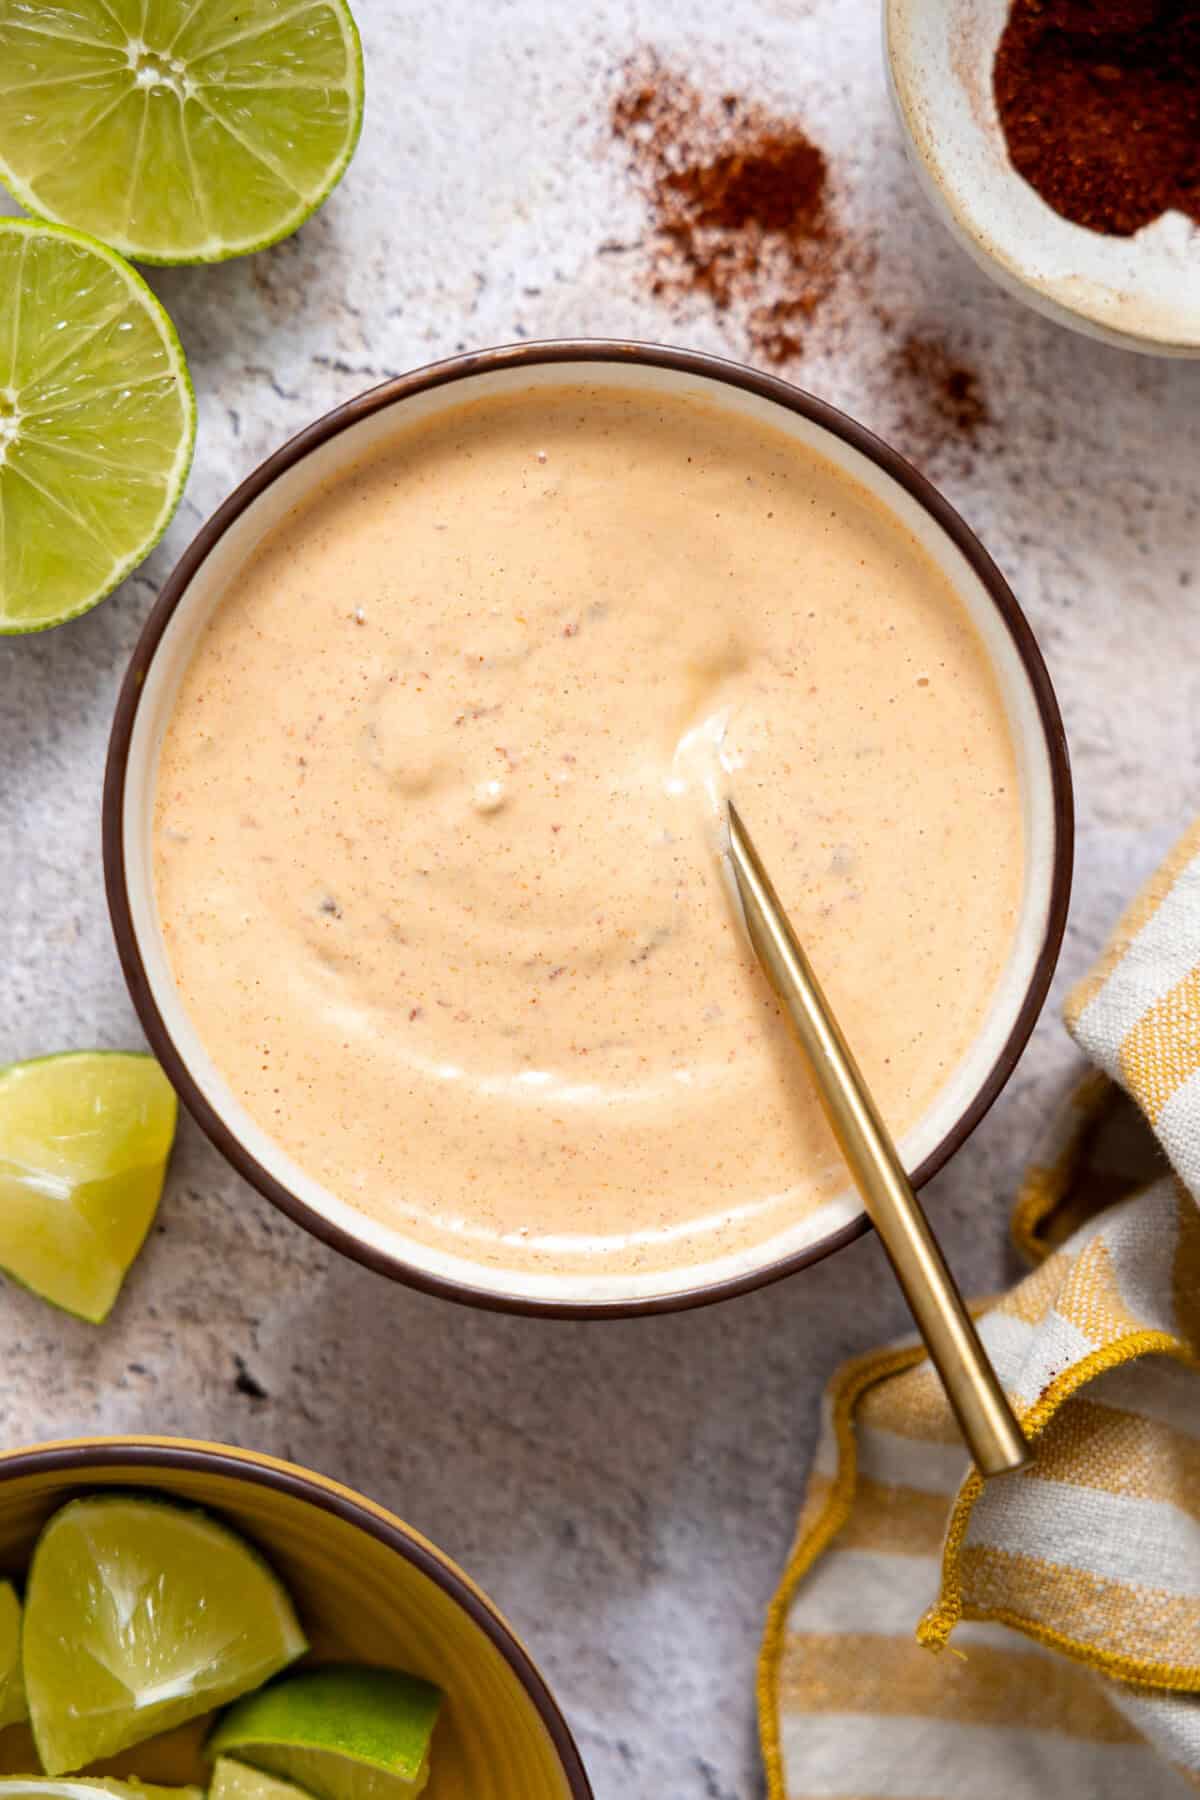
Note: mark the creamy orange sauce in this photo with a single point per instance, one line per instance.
(435, 838)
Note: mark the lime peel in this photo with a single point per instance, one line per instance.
(344, 1732)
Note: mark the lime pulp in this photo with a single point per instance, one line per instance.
(182, 130)
(84, 1141)
(12, 1682)
(97, 422)
(140, 1615)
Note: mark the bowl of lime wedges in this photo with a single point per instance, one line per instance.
(182, 1620)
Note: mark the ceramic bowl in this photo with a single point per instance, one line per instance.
(342, 438)
(366, 1586)
(1142, 293)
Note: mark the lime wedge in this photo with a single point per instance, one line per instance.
(130, 1788)
(97, 419)
(75, 1787)
(179, 130)
(12, 1682)
(140, 1615)
(84, 1140)
(343, 1733)
(238, 1781)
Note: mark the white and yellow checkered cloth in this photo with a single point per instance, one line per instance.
(1066, 1599)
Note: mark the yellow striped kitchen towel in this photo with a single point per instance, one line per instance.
(1065, 1599)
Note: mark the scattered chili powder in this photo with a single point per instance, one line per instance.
(1100, 107)
(739, 201)
(939, 399)
(742, 214)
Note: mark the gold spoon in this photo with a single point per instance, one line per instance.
(992, 1434)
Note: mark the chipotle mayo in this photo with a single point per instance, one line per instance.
(436, 827)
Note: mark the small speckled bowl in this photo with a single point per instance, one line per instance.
(338, 441)
(367, 1589)
(1142, 293)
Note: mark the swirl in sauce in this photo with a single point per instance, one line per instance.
(434, 836)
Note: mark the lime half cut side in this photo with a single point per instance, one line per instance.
(140, 1615)
(342, 1733)
(97, 422)
(179, 130)
(84, 1141)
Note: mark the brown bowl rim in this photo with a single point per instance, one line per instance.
(73, 1455)
(530, 355)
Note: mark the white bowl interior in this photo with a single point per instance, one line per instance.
(1141, 292)
(176, 647)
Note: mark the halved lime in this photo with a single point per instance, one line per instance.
(342, 1733)
(75, 1787)
(178, 130)
(139, 1615)
(84, 1141)
(12, 1683)
(238, 1781)
(97, 421)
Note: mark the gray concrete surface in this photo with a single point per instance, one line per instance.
(626, 1491)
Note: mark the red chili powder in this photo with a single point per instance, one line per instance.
(739, 201)
(940, 408)
(1100, 106)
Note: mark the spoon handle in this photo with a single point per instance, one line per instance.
(986, 1419)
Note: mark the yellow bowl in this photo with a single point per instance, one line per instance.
(366, 1586)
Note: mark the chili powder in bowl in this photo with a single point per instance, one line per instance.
(1060, 141)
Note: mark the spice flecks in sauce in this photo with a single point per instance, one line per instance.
(475, 967)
